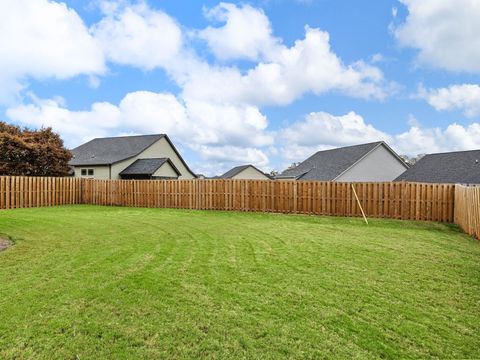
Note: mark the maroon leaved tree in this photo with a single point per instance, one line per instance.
(32, 152)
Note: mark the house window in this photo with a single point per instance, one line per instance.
(84, 172)
(90, 172)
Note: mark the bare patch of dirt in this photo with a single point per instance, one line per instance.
(4, 244)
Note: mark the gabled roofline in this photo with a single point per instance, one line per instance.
(179, 156)
(450, 152)
(167, 160)
(130, 157)
(366, 154)
(172, 165)
(260, 171)
(244, 167)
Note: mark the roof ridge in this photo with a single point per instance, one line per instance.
(350, 146)
(126, 136)
(451, 152)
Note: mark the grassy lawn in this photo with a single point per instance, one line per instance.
(96, 282)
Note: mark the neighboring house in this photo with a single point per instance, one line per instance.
(461, 167)
(244, 172)
(366, 162)
(130, 157)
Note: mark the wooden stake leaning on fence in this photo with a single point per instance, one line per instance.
(360, 205)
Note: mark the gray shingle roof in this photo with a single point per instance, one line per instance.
(452, 167)
(237, 170)
(327, 165)
(233, 171)
(147, 166)
(104, 151)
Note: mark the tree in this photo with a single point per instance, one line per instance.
(412, 160)
(293, 165)
(32, 152)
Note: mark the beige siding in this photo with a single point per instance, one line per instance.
(160, 149)
(251, 173)
(166, 170)
(99, 172)
(378, 165)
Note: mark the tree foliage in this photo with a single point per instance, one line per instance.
(32, 152)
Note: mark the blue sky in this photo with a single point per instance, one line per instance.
(264, 82)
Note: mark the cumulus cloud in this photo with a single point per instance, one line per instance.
(43, 39)
(208, 129)
(446, 33)
(308, 66)
(246, 33)
(226, 155)
(321, 131)
(217, 112)
(454, 137)
(464, 97)
(139, 36)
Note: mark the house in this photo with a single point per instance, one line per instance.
(244, 172)
(366, 162)
(130, 157)
(461, 167)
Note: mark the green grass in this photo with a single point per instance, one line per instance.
(95, 282)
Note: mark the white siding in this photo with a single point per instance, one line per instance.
(379, 165)
(160, 149)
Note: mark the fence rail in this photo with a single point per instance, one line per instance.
(398, 200)
(467, 209)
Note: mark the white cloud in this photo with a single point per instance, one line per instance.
(246, 34)
(43, 39)
(394, 12)
(139, 36)
(227, 155)
(326, 129)
(465, 97)
(321, 131)
(455, 137)
(217, 113)
(220, 124)
(215, 132)
(446, 33)
(308, 66)
(136, 35)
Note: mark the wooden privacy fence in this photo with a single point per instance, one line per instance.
(24, 192)
(399, 200)
(467, 209)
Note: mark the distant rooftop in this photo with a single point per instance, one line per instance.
(327, 165)
(452, 167)
(237, 170)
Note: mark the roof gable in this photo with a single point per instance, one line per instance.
(327, 165)
(237, 170)
(105, 151)
(452, 167)
(147, 166)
